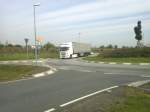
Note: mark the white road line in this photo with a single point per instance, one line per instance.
(126, 63)
(64, 68)
(89, 95)
(50, 110)
(112, 63)
(110, 73)
(145, 75)
(84, 71)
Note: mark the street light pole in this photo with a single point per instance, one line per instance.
(79, 36)
(35, 34)
(79, 43)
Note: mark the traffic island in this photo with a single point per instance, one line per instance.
(11, 72)
(121, 99)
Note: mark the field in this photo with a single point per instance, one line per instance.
(127, 55)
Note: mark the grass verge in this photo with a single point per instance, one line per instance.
(119, 60)
(135, 100)
(23, 56)
(13, 72)
(122, 99)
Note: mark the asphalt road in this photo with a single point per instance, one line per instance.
(73, 79)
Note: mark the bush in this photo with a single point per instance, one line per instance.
(127, 52)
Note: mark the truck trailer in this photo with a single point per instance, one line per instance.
(74, 49)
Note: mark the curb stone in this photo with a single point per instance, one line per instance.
(138, 83)
(101, 62)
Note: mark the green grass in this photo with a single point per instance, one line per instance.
(119, 60)
(49, 55)
(23, 56)
(134, 101)
(12, 72)
(15, 56)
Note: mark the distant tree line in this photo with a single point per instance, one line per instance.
(17, 48)
(109, 46)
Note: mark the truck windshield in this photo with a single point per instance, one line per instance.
(64, 48)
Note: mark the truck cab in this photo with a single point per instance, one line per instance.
(66, 50)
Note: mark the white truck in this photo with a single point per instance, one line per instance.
(74, 49)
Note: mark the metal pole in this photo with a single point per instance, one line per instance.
(79, 36)
(36, 58)
(79, 44)
(27, 52)
(26, 42)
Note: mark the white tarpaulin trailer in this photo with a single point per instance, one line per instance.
(74, 49)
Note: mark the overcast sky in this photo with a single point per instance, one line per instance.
(100, 22)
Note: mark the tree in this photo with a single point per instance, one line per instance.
(102, 46)
(49, 46)
(10, 45)
(17, 45)
(138, 33)
(1, 45)
(109, 46)
(115, 46)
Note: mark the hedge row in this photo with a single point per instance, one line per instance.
(128, 52)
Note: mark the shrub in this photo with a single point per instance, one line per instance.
(127, 52)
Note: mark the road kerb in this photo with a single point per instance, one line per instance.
(138, 83)
(112, 63)
(126, 63)
(144, 64)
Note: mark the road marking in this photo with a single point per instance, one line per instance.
(126, 63)
(89, 95)
(111, 73)
(144, 64)
(84, 71)
(50, 110)
(64, 68)
(145, 75)
(112, 63)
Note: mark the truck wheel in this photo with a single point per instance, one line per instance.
(70, 56)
